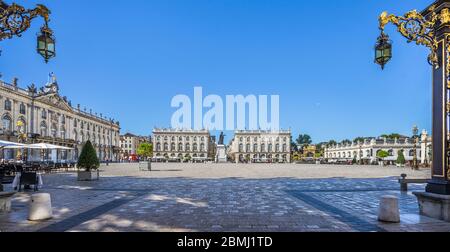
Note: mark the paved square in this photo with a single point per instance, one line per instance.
(225, 197)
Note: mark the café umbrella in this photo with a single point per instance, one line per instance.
(5, 144)
(39, 146)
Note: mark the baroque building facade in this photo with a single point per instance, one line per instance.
(44, 116)
(260, 146)
(367, 150)
(129, 144)
(182, 145)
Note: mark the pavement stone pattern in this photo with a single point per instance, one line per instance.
(225, 198)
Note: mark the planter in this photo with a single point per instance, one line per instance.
(88, 175)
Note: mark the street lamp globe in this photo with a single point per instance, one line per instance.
(46, 43)
(383, 50)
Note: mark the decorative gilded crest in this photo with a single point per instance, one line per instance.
(416, 28)
(15, 19)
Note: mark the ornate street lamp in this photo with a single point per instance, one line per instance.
(383, 50)
(15, 19)
(431, 28)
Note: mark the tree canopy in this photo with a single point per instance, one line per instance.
(145, 150)
(391, 136)
(401, 158)
(304, 140)
(382, 154)
(88, 159)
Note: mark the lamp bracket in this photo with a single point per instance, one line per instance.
(416, 28)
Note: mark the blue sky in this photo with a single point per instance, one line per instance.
(127, 59)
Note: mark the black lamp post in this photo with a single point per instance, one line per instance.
(415, 132)
(15, 19)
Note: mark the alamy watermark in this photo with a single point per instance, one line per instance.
(238, 112)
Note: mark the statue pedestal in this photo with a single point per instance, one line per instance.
(434, 205)
(221, 156)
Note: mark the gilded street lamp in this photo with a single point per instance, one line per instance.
(15, 19)
(431, 28)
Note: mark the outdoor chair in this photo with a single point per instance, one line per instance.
(29, 179)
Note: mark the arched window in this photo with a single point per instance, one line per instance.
(411, 153)
(44, 114)
(195, 147)
(277, 148)
(6, 123)
(180, 147)
(166, 147)
(172, 147)
(8, 105)
(158, 147)
(75, 135)
(180, 139)
(284, 147)
(247, 147)
(202, 147)
(43, 129)
(391, 153)
(188, 147)
(22, 109)
(263, 147)
(241, 148)
(270, 147)
(255, 147)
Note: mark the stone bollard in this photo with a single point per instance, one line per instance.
(389, 209)
(40, 207)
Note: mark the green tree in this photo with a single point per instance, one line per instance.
(346, 142)
(145, 150)
(331, 143)
(391, 136)
(401, 158)
(359, 140)
(304, 140)
(88, 159)
(294, 147)
(382, 154)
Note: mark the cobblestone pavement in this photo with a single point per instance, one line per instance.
(187, 197)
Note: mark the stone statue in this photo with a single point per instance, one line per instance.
(221, 139)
